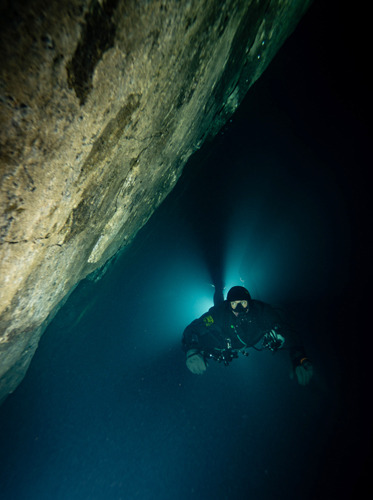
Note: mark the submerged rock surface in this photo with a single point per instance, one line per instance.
(101, 105)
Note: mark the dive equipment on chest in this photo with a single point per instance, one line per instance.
(227, 354)
(273, 341)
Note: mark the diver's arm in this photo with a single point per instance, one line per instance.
(196, 330)
(190, 339)
(191, 342)
(302, 366)
(194, 360)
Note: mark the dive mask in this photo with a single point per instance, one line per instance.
(239, 306)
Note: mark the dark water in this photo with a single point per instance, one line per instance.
(108, 409)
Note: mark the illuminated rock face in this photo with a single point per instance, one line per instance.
(102, 103)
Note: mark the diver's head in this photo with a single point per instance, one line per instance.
(239, 298)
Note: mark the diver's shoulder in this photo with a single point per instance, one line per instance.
(218, 311)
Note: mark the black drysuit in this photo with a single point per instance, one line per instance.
(220, 335)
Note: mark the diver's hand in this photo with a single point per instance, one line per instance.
(195, 362)
(304, 372)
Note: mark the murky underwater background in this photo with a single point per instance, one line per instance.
(108, 409)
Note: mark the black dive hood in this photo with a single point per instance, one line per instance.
(239, 293)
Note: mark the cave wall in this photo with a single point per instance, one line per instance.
(101, 105)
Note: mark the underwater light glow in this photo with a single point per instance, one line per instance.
(182, 292)
(271, 236)
(280, 245)
(268, 269)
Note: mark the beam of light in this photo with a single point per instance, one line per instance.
(180, 292)
(286, 243)
(268, 266)
(272, 236)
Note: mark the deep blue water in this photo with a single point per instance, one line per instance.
(108, 409)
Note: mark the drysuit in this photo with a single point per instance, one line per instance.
(221, 335)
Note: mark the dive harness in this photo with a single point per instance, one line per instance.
(272, 341)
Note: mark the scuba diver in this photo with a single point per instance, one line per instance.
(236, 324)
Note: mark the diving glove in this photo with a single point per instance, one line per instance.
(195, 362)
(304, 372)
